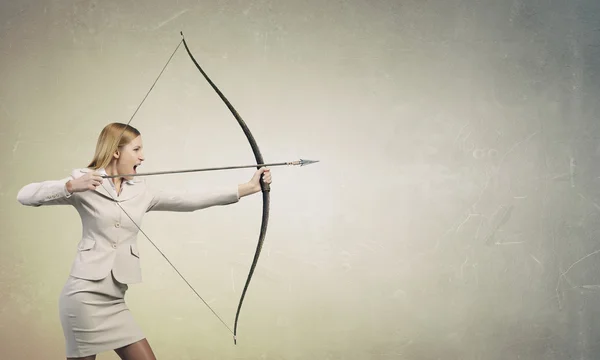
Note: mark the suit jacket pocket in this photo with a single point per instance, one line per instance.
(86, 244)
(134, 251)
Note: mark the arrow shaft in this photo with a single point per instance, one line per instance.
(199, 170)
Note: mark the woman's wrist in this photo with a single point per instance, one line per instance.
(247, 189)
(69, 187)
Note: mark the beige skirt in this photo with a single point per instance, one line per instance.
(94, 316)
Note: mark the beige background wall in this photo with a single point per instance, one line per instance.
(458, 178)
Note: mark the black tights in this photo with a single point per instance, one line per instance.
(140, 350)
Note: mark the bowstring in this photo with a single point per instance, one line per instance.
(130, 218)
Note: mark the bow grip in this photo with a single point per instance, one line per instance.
(263, 186)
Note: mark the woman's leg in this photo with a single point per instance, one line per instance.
(139, 350)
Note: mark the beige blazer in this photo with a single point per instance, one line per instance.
(109, 238)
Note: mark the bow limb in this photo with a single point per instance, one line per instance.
(265, 187)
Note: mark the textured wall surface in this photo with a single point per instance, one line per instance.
(454, 213)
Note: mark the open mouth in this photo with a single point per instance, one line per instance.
(135, 168)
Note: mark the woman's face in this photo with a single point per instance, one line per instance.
(130, 157)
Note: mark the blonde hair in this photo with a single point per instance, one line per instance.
(107, 143)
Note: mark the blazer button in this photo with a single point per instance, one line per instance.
(114, 246)
(117, 225)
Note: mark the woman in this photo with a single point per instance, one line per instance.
(92, 308)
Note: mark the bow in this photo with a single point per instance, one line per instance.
(265, 187)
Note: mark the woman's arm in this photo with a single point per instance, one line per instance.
(192, 201)
(186, 201)
(58, 192)
(51, 192)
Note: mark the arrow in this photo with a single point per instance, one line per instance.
(300, 162)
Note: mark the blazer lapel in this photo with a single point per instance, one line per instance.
(106, 189)
(129, 190)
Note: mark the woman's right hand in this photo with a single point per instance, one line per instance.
(89, 181)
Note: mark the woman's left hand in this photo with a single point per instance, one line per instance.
(266, 176)
(253, 186)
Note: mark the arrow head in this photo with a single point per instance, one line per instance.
(307, 162)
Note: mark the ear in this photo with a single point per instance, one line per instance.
(117, 154)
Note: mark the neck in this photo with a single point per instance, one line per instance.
(111, 170)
